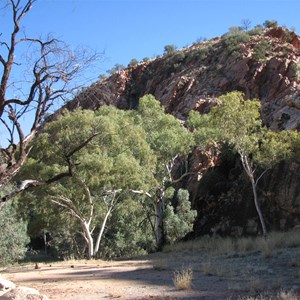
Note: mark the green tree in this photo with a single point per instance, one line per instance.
(14, 238)
(179, 220)
(237, 122)
(169, 49)
(169, 140)
(128, 233)
(107, 158)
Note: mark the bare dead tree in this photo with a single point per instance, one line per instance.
(246, 23)
(31, 85)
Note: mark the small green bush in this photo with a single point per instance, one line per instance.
(134, 62)
(169, 49)
(14, 238)
(257, 30)
(116, 68)
(234, 38)
(294, 71)
(270, 24)
(261, 50)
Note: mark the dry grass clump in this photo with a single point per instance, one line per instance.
(282, 295)
(230, 246)
(277, 240)
(289, 295)
(182, 279)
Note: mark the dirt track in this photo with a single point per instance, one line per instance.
(214, 276)
(124, 280)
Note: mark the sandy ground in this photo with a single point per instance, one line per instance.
(214, 276)
(125, 280)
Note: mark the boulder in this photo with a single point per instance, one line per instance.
(23, 293)
(6, 284)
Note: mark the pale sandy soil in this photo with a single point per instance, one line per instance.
(214, 276)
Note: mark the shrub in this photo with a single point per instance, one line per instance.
(294, 71)
(201, 53)
(234, 38)
(14, 236)
(261, 50)
(270, 24)
(169, 49)
(182, 279)
(115, 69)
(134, 62)
(179, 221)
(257, 30)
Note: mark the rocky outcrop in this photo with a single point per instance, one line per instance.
(192, 78)
(265, 65)
(9, 291)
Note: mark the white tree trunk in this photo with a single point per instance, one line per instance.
(250, 172)
(89, 239)
(261, 218)
(159, 219)
(97, 246)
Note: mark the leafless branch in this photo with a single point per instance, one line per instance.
(52, 70)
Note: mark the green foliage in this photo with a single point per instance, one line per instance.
(107, 152)
(168, 139)
(270, 23)
(239, 124)
(115, 69)
(276, 146)
(134, 62)
(233, 40)
(203, 132)
(294, 71)
(237, 121)
(179, 220)
(102, 77)
(169, 49)
(14, 236)
(257, 30)
(127, 234)
(166, 136)
(261, 50)
(200, 53)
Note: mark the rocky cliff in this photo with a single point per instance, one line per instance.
(262, 63)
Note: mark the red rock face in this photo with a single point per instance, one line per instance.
(195, 76)
(285, 36)
(295, 41)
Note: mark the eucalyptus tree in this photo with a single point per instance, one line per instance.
(169, 140)
(107, 157)
(14, 238)
(35, 75)
(237, 122)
